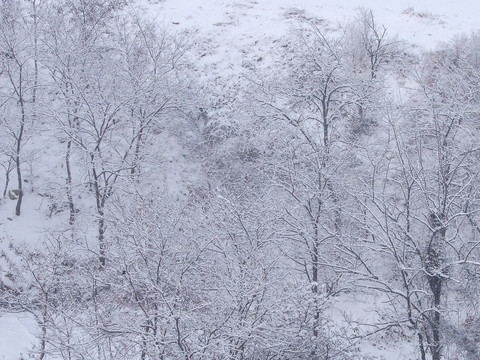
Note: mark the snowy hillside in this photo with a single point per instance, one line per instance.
(150, 177)
(232, 32)
(232, 23)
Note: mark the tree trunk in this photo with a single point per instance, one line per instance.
(101, 237)
(19, 173)
(100, 199)
(421, 346)
(435, 260)
(43, 341)
(71, 205)
(8, 169)
(316, 315)
(19, 146)
(35, 57)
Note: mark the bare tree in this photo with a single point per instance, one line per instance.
(115, 89)
(417, 203)
(312, 109)
(16, 57)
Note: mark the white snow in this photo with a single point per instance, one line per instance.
(17, 335)
(425, 22)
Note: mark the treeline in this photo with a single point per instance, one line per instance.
(185, 225)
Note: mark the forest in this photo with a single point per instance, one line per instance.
(321, 202)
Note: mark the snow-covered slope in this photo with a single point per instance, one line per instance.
(17, 333)
(231, 32)
(425, 23)
(231, 38)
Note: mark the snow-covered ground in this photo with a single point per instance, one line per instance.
(232, 32)
(226, 36)
(17, 335)
(425, 22)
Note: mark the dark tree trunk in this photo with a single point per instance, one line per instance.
(18, 165)
(43, 341)
(421, 346)
(100, 199)
(101, 238)
(435, 259)
(71, 205)
(19, 139)
(8, 169)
